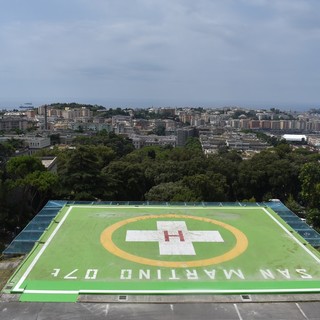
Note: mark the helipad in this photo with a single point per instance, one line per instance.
(126, 250)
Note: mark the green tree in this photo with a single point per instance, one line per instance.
(124, 181)
(160, 130)
(313, 218)
(310, 184)
(253, 177)
(80, 176)
(207, 187)
(294, 206)
(193, 144)
(28, 186)
(55, 138)
(104, 154)
(4, 210)
(171, 192)
(121, 146)
(283, 149)
(8, 148)
(282, 178)
(37, 186)
(226, 164)
(166, 171)
(20, 167)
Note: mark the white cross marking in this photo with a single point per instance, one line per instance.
(173, 237)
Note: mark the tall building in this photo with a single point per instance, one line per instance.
(14, 121)
(183, 134)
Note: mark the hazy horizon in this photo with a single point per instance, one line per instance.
(139, 53)
(136, 104)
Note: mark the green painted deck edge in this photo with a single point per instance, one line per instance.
(36, 297)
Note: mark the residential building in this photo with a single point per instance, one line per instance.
(140, 141)
(183, 134)
(12, 121)
(37, 143)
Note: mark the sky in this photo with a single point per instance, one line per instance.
(162, 53)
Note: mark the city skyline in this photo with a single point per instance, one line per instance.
(245, 53)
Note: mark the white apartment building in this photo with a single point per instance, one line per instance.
(140, 141)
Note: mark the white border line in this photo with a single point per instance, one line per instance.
(291, 235)
(204, 291)
(29, 269)
(301, 311)
(173, 291)
(164, 207)
(238, 312)
(35, 260)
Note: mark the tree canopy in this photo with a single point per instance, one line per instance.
(106, 167)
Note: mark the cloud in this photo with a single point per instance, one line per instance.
(205, 50)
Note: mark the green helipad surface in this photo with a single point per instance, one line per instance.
(166, 250)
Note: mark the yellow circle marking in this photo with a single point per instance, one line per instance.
(240, 246)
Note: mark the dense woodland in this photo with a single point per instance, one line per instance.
(106, 167)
